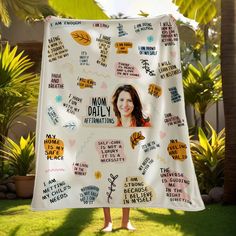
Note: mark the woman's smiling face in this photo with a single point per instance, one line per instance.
(125, 104)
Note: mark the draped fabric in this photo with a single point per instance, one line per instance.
(111, 124)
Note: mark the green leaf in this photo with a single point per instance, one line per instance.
(4, 14)
(18, 89)
(202, 11)
(21, 157)
(203, 140)
(80, 9)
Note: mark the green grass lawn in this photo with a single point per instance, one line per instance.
(16, 218)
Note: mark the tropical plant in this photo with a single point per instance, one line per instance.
(120, 15)
(20, 157)
(228, 61)
(80, 9)
(7, 172)
(191, 43)
(18, 91)
(203, 12)
(228, 58)
(208, 157)
(24, 9)
(202, 88)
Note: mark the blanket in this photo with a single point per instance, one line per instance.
(111, 124)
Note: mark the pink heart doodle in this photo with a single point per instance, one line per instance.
(162, 134)
(173, 54)
(104, 85)
(72, 142)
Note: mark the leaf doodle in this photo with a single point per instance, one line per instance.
(135, 138)
(70, 125)
(81, 37)
(111, 188)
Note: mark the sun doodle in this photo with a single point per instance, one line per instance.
(98, 174)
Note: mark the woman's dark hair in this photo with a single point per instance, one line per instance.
(137, 113)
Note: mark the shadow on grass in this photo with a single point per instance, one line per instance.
(6, 205)
(14, 231)
(214, 220)
(82, 217)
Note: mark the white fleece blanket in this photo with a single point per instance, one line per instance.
(111, 126)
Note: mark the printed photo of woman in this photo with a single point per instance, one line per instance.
(128, 108)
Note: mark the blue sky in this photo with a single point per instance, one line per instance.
(132, 8)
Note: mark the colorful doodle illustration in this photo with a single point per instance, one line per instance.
(96, 73)
(162, 134)
(98, 174)
(55, 170)
(150, 39)
(70, 125)
(111, 187)
(146, 67)
(81, 37)
(58, 99)
(72, 142)
(135, 138)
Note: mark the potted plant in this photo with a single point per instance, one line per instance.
(21, 158)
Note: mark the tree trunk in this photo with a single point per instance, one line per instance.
(206, 39)
(203, 122)
(228, 61)
(1, 159)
